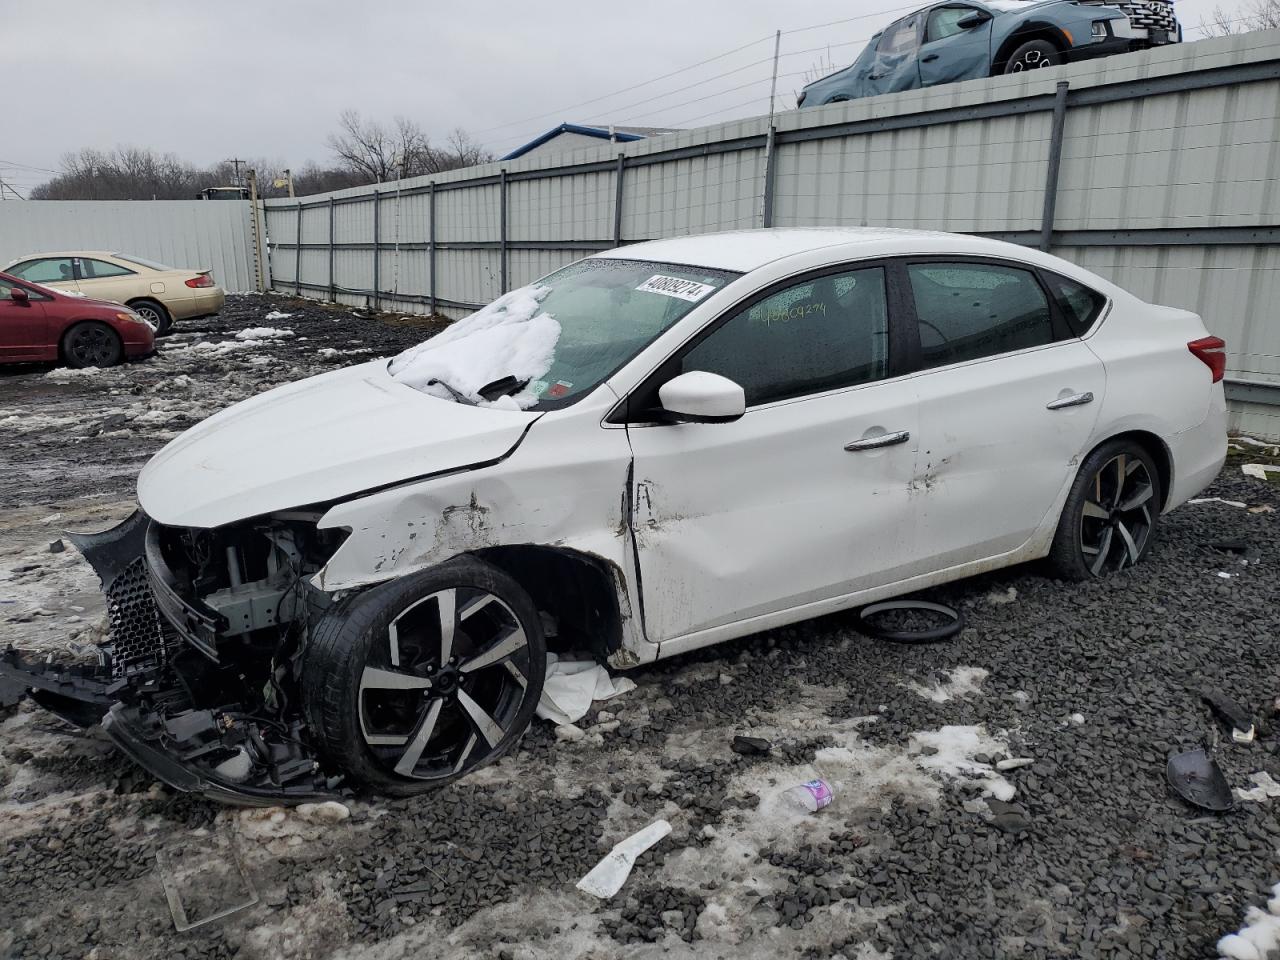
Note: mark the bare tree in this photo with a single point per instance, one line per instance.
(379, 153)
(1254, 15)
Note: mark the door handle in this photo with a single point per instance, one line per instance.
(1075, 400)
(875, 76)
(875, 443)
(929, 59)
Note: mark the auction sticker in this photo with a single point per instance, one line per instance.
(689, 290)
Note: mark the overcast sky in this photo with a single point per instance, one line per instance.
(267, 79)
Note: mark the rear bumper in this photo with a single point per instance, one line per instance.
(1199, 453)
(202, 302)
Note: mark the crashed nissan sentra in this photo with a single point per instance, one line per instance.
(352, 581)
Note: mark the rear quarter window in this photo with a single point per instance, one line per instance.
(1080, 306)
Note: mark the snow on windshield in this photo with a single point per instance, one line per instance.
(509, 337)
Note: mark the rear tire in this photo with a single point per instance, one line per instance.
(1033, 55)
(402, 708)
(91, 344)
(155, 314)
(1111, 513)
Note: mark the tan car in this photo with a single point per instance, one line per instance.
(159, 294)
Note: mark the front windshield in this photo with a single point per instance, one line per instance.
(556, 340)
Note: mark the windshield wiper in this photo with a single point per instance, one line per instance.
(456, 394)
(502, 387)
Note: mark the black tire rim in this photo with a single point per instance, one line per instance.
(93, 347)
(441, 691)
(150, 315)
(1031, 60)
(1115, 519)
(927, 635)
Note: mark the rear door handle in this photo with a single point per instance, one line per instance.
(875, 443)
(1075, 400)
(929, 59)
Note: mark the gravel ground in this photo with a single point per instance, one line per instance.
(926, 851)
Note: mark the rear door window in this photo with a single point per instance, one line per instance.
(91, 269)
(966, 311)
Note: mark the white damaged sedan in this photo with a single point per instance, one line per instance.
(355, 579)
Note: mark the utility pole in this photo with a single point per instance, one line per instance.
(773, 87)
(235, 165)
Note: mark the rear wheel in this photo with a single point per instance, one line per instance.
(155, 315)
(414, 683)
(1033, 55)
(1110, 516)
(92, 344)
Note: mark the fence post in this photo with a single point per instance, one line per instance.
(431, 245)
(617, 200)
(377, 251)
(502, 229)
(767, 213)
(1055, 164)
(332, 289)
(297, 257)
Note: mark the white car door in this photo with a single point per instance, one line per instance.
(802, 499)
(1008, 401)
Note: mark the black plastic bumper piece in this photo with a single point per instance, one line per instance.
(79, 694)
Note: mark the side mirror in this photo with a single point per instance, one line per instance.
(975, 19)
(701, 397)
(19, 296)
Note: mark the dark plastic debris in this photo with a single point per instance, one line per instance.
(57, 546)
(750, 746)
(1197, 778)
(1228, 711)
(948, 629)
(1230, 546)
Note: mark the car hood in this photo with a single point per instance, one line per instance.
(315, 441)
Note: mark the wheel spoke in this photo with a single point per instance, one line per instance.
(1138, 499)
(1129, 545)
(466, 752)
(1095, 510)
(519, 677)
(484, 724)
(500, 651)
(375, 678)
(447, 602)
(1104, 547)
(1120, 475)
(409, 759)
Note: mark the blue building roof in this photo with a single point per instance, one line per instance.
(619, 135)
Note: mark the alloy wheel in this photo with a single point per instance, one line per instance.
(1116, 520)
(444, 689)
(93, 346)
(1031, 60)
(150, 315)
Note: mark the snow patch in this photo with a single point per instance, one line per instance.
(953, 751)
(68, 374)
(509, 337)
(1265, 788)
(277, 315)
(265, 333)
(963, 681)
(1259, 936)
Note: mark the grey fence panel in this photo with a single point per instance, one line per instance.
(212, 234)
(1158, 170)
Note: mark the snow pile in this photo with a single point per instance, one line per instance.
(277, 315)
(509, 337)
(67, 374)
(963, 681)
(952, 756)
(1265, 788)
(265, 333)
(1259, 936)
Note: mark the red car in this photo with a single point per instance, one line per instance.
(38, 323)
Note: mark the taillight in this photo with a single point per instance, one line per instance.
(1212, 352)
(204, 280)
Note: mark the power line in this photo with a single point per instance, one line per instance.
(26, 166)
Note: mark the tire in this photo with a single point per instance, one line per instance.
(1033, 55)
(91, 344)
(155, 314)
(1106, 528)
(370, 691)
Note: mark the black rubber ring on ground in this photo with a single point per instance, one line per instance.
(932, 635)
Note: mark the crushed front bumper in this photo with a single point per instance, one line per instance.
(136, 689)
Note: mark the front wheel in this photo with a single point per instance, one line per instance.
(92, 344)
(413, 683)
(1033, 55)
(1110, 516)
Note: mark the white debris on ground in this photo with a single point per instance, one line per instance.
(953, 750)
(607, 877)
(1229, 503)
(1001, 597)
(277, 315)
(963, 682)
(1259, 471)
(264, 333)
(1265, 788)
(571, 686)
(1260, 935)
(509, 337)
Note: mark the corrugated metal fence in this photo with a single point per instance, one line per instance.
(1158, 170)
(217, 234)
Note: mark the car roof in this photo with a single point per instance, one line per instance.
(46, 254)
(745, 250)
